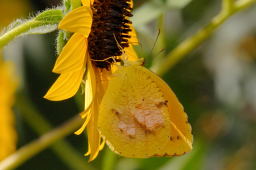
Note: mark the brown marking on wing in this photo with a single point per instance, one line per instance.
(161, 104)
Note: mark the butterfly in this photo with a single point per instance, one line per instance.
(141, 117)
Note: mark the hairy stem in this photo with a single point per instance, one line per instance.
(47, 17)
(10, 35)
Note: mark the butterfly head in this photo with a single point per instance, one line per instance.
(138, 62)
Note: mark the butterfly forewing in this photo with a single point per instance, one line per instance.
(137, 116)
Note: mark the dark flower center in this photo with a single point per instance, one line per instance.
(110, 28)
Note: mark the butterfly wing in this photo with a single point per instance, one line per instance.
(141, 117)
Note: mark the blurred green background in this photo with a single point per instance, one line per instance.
(216, 84)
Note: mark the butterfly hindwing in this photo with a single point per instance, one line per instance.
(141, 117)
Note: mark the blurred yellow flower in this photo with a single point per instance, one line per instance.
(7, 131)
(101, 30)
(12, 9)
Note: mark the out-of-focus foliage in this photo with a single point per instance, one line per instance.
(151, 10)
(216, 83)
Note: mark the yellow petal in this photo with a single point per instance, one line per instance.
(91, 78)
(88, 117)
(65, 86)
(87, 3)
(73, 55)
(131, 3)
(78, 20)
(93, 135)
(86, 112)
(130, 53)
(90, 84)
(133, 39)
(92, 131)
(89, 150)
(102, 143)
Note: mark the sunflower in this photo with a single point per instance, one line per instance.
(102, 33)
(7, 131)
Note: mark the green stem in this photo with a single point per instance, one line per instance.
(228, 4)
(197, 39)
(242, 4)
(10, 35)
(41, 143)
(62, 148)
(109, 160)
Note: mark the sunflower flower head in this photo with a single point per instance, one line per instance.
(102, 32)
(7, 131)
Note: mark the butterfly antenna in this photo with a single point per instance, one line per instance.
(121, 48)
(155, 41)
(161, 51)
(104, 60)
(118, 45)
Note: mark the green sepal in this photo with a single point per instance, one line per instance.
(75, 4)
(67, 5)
(51, 16)
(60, 41)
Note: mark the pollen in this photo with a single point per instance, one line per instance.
(109, 32)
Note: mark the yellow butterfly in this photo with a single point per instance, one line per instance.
(141, 117)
